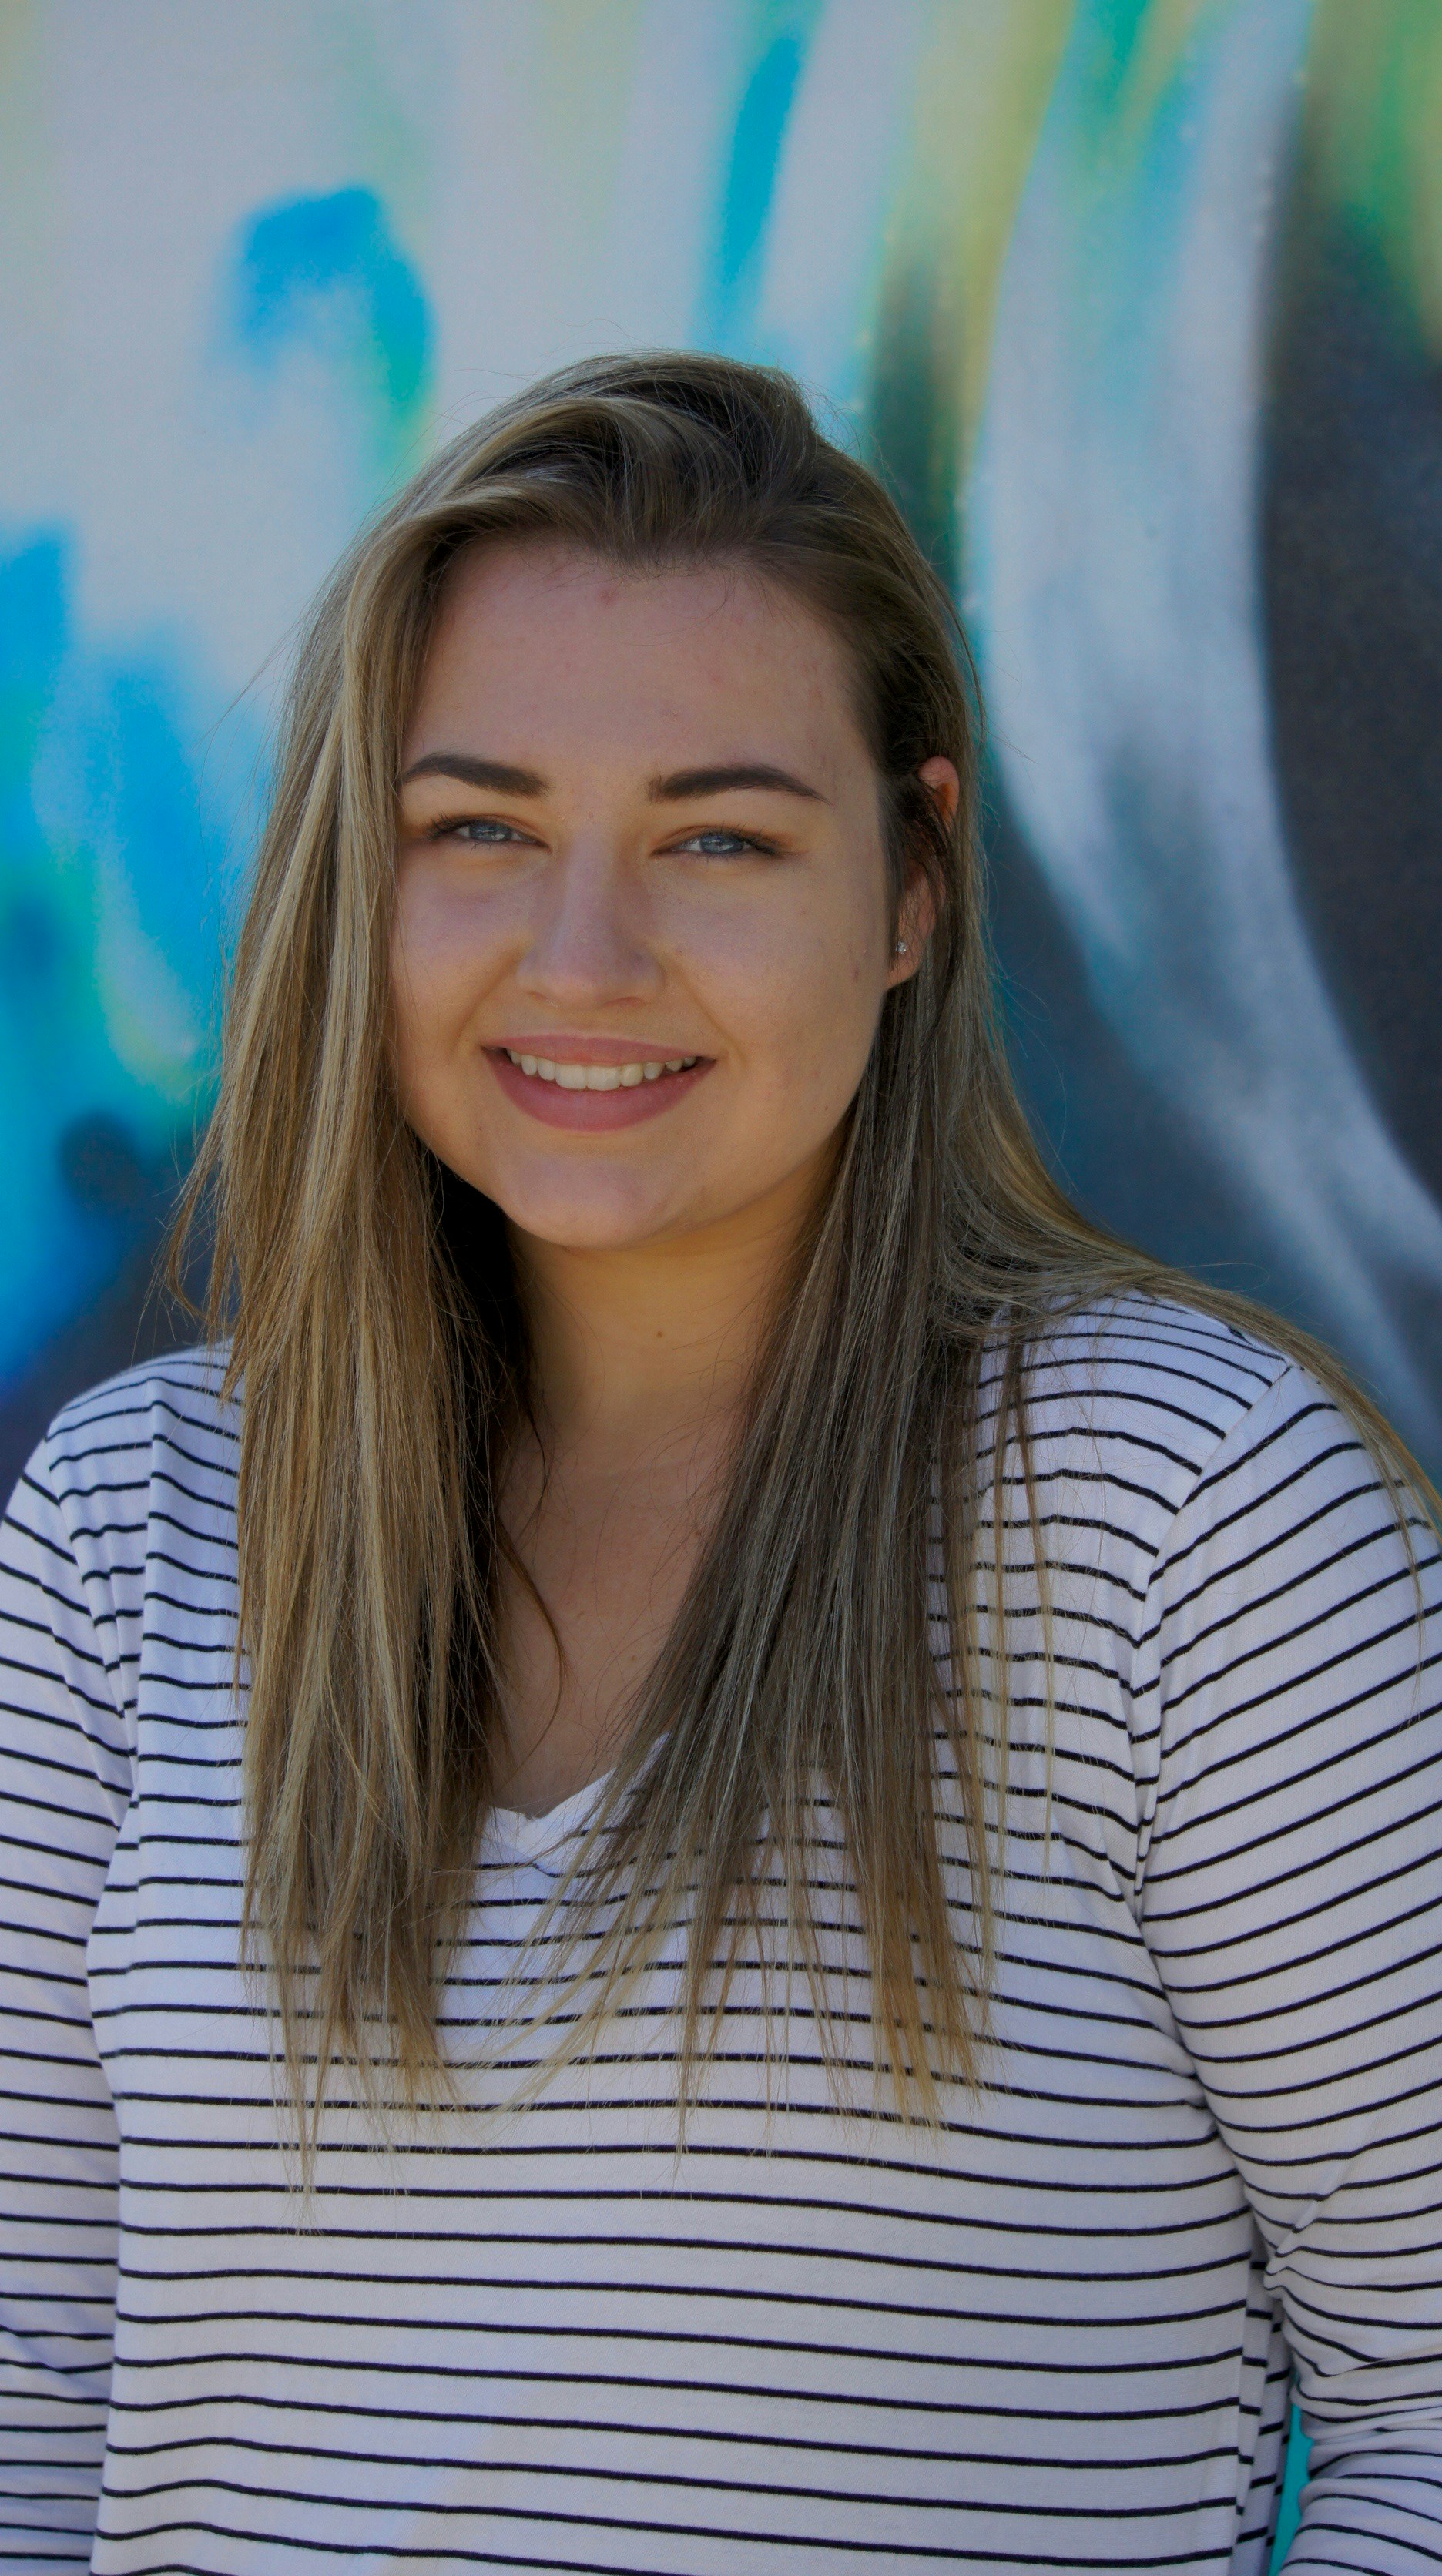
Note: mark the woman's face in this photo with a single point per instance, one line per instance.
(642, 930)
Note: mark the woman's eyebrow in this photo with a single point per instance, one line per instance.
(676, 789)
(498, 774)
(683, 784)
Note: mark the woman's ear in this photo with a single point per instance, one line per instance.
(916, 913)
(942, 782)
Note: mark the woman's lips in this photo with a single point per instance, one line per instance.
(593, 1112)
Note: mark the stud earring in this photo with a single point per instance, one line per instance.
(900, 948)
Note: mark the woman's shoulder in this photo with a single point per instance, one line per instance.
(1147, 1400)
(180, 1387)
(125, 1514)
(168, 1422)
(1151, 1352)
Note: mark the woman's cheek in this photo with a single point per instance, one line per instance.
(827, 996)
(766, 970)
(438, 967)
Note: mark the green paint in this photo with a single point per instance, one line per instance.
(913, 409)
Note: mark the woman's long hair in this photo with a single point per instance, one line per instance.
(383, 1381)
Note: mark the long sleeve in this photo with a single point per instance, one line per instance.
(64, 1786)
(1289, 1765)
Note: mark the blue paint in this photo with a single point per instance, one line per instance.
(127, 816)
(755, 159)
(783, 30)
(115, 884)
(30, 951)
(117, 782)
(32, 630)
(326, 271)
(32, 947)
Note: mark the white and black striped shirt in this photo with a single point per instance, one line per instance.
(1058, 2333)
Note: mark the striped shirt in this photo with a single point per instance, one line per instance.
(1057, 2331)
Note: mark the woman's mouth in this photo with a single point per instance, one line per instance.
(579, 1093)
(601, 1077)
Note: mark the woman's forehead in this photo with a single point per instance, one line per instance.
(498, 581)
(566, 639)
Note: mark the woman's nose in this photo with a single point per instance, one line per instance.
(588, 942)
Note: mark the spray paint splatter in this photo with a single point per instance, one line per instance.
(324, 274)
(752, 167)
(115, 880)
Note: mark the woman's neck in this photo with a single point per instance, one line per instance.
(642, 1359)
(637, 1344)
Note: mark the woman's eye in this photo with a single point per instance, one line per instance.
(717, 844)
(480, 832)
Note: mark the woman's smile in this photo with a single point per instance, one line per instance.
(594, 1084)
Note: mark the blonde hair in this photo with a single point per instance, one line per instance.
(382, 1382)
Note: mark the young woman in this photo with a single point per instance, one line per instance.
(723, 1855)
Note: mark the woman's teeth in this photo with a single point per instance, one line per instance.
(600, 1077)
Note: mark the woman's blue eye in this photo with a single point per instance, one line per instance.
(720, 845)
(484, 834)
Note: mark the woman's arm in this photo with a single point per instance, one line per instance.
(64, 1786)
(1289, 1761)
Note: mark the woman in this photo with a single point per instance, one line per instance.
(805, 1934)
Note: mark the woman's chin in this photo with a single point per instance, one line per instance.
(599, 1220)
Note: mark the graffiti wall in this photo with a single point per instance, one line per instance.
(1138, 303)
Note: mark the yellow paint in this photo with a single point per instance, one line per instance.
(983, 84)
(1163, 40)
(583, 67)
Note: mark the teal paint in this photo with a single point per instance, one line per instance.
(1112, 31)
(326, 272)
(37, 941)
(115, 885)
(752, 166)
(54, 1253)
(127, 816)
(755, 157)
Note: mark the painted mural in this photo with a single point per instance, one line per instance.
(1138, 303)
